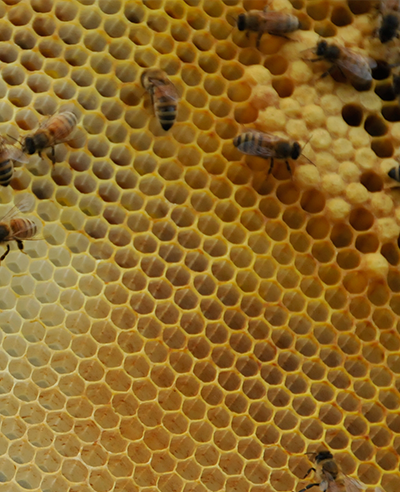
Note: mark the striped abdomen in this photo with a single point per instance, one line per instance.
(165, 105)
(22, 229)
(6, 171)
(280, 23)
(60, 126)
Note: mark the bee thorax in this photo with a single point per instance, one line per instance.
(4, 232)
(283, 150)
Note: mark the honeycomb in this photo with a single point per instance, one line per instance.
(185, 322)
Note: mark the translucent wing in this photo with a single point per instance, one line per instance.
(166, 89)
(353, 485)
(45, 121)
(268, 136)
(11, 214)
(355, 64)
(258, 144)
(264, 152)
(21, 207)
(16, 154)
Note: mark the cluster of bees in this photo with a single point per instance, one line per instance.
(52, 131)
(354, 67)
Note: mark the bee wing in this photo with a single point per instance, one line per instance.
(265, 153)
(355, 63)
(168, 89)
(271, 137)
(23, 205)
(332, 486)
(16, 154)
(353, 485)
(11, 214)
(256, 150)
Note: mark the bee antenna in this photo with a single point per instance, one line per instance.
(13, 138)
(229, 16)
(309, 160)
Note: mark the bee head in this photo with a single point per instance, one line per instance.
(389, 27)
(322, 456)
(322, 46)
(296, 151)
(29, 146)
(241, 22)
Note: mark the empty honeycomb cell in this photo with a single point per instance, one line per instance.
(361, 219)
(341, 16)
(352, 114)
(391, 113)
(325, 29)
(382, 147)
(283, 86)
(375, 126)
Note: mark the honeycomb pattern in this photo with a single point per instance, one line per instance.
(188, 323)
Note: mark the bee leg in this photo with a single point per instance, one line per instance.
(309, 486)
(53, 155)
(259, 39)
(271, 166)
(280, 35)
(288, 167)
(341, 71)
(5, 253)
(20, 245)
(309, 471)
(328, 72)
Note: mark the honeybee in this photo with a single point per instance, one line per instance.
(51, 132)
(354, 66)
(13, 228)
(8, 154)
(270, 21)
(329, 476)
(390, 23)
(164, 96)
(268, 146)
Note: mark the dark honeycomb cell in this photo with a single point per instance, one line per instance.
(383, 147)
(372, 181)
(375, 126)
(358, 8)
(381, 71)
(352, 114)
(385, 91)
(391, 112)
(341, 16)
